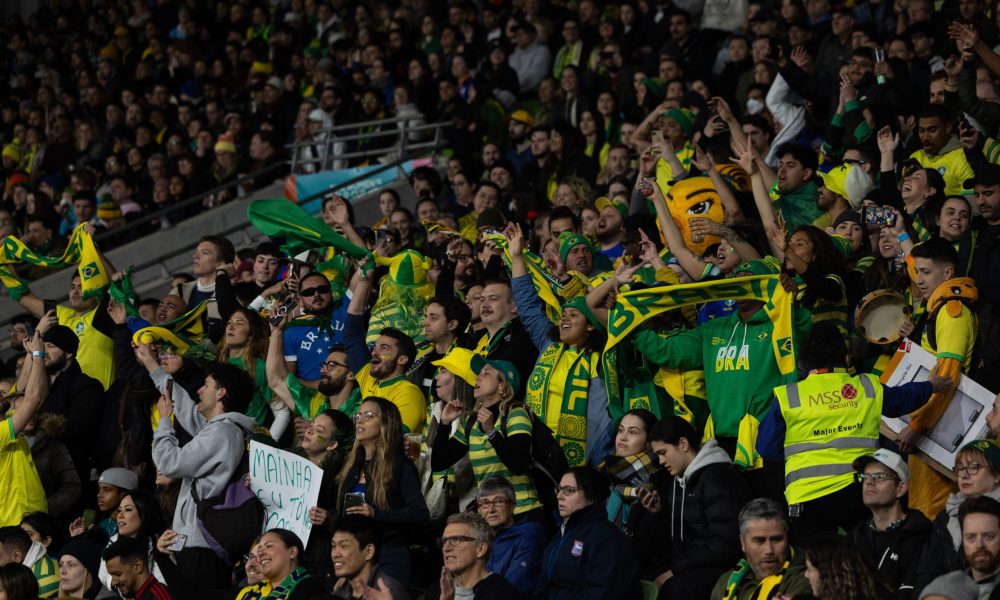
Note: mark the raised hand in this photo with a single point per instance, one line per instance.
(800, 57)
(887, 140)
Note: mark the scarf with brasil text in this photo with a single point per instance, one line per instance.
(80, 249)
(635, 307)
(572, 428)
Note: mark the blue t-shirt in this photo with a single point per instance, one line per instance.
(614, 252)
(310, 345)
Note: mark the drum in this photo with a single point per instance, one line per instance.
(879, 316)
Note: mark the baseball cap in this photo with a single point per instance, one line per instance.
(506, 368)
(523, 116)
(119, 477)
(887, 458)
(988, 174)
(274, 82)
(458, 361)
(605, 202)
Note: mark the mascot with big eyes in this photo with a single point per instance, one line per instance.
(691, 198)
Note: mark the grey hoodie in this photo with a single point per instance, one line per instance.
(710, 454)
(211, 457)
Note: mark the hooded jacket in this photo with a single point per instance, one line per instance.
(895, 554)
(698, 515)
(589, 559)
(942, 552)
(54, 465)
(209, 460)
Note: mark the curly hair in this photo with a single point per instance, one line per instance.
(843, 573)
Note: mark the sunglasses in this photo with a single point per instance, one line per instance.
(310, 292)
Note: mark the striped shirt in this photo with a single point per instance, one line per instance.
(153, 590)
(486, 463)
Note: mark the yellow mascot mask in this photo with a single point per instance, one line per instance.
(691, 198)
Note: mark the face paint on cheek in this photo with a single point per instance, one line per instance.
(385, 355)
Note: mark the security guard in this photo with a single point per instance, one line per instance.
(821, 424)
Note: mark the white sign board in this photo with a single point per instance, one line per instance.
(962, 422)
(287, 485)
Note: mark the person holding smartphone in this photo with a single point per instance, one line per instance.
(378, 481)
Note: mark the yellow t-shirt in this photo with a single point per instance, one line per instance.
(953, 167)
(96, 353)
(405, 395)
(23, 491)
(955, 336)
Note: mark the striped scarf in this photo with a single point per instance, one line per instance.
(572, 428)
(630, 472)
(80, 249)
(763, 589)
(284, 590)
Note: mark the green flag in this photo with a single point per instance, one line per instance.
(284, 220)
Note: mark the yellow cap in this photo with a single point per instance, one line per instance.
(524, 117)
(458, 361)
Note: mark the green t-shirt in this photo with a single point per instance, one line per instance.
(310, 402)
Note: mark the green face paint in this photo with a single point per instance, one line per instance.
(321, 438)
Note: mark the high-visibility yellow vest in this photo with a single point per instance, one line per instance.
(831, 419)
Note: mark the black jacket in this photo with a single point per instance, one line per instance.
(588, 560)
(698, 515)
(513, 344)
(407, 509)
(79, 398)
(940, 554)
(895, 554)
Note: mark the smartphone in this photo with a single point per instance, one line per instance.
(88, 518)
(179, 542)
(657, 137)
(47, 306)
(874, 215)
(351, 500)
(29, 330)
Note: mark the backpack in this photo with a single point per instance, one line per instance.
(232, 520)
(548, 461)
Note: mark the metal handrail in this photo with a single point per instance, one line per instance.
(402, 132)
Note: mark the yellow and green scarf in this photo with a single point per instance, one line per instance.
(80, 250)
(763, 589)
(571, 431)
(635, 307)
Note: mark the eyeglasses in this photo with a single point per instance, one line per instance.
(875, 478)
(567, 490)
(310, 292)
(166, 354)
(250, 558)
(454, 540)
(855, 161)
(330, 364)
(970, 468)
(364, 416)
(495, 503)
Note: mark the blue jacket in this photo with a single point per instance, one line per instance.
(589, 560)
(517, 555)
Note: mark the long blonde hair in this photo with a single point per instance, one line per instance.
(378, 469)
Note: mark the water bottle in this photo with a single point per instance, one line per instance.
(879, 59)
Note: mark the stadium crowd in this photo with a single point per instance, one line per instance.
(632, 339)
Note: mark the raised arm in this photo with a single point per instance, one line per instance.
(277, 370)
(37, 387)
(693, 264)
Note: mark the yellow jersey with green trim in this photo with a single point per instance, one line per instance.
(405, 395)
(23, 488)
(96, 353)
(485, 462)
(955, 336)
(953, 167)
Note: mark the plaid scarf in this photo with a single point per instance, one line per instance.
(630, 472)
